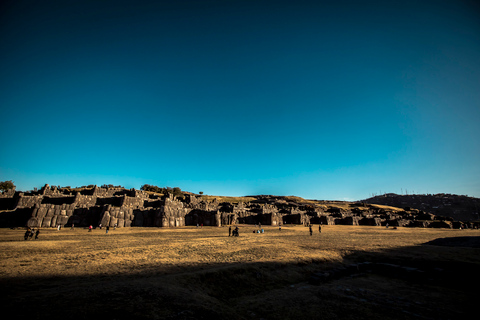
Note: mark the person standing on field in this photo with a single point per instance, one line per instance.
(310, 228)
(229, 231)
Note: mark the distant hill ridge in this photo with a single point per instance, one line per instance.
(458, 207)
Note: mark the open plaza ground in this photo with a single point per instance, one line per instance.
(347, 272)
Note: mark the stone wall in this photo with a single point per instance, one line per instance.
(52, 206)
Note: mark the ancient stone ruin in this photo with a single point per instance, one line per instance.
(117, 206)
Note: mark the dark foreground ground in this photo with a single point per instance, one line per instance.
(425, 281)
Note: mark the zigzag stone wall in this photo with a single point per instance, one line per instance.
(52, 206)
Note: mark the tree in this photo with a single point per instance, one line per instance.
(147, 187)
(177, 191)
(6, 185)
(167, 190)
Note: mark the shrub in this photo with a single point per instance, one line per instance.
(6, 185)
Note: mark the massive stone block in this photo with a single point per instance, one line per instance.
(105, 220)
(327, 220)
(352, 221)
(418, 224)
(164, 222)
(370, 222)
(42, 212)
(46, 222)
(113, 221)
(120, 223)
(34, 222)
(50, 212)
(53, 221)
(226, 218)
(62, 220)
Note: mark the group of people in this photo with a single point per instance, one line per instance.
(311, 230)
(233, 233)
(30, 232)
(107, 228)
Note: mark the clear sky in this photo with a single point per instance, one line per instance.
(318, 99)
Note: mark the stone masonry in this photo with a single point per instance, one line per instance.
(116, 206)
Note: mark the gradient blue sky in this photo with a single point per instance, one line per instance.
(319, 99)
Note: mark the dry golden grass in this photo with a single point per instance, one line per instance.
(196, 273)
(126, 250)
(386, 207)
(220, 199)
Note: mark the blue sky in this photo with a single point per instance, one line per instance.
(323, 100)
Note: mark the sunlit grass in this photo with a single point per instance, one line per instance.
(126, 250)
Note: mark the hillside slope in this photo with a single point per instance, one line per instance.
(460, 208)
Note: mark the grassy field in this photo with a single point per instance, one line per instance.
(201, 273)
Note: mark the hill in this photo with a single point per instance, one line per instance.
(457, 207)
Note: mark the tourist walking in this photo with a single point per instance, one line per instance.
(229, 231)
(107, 228)
(310, 228)
(37, 233)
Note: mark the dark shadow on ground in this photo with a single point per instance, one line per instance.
(470, 242)
(430, 281)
